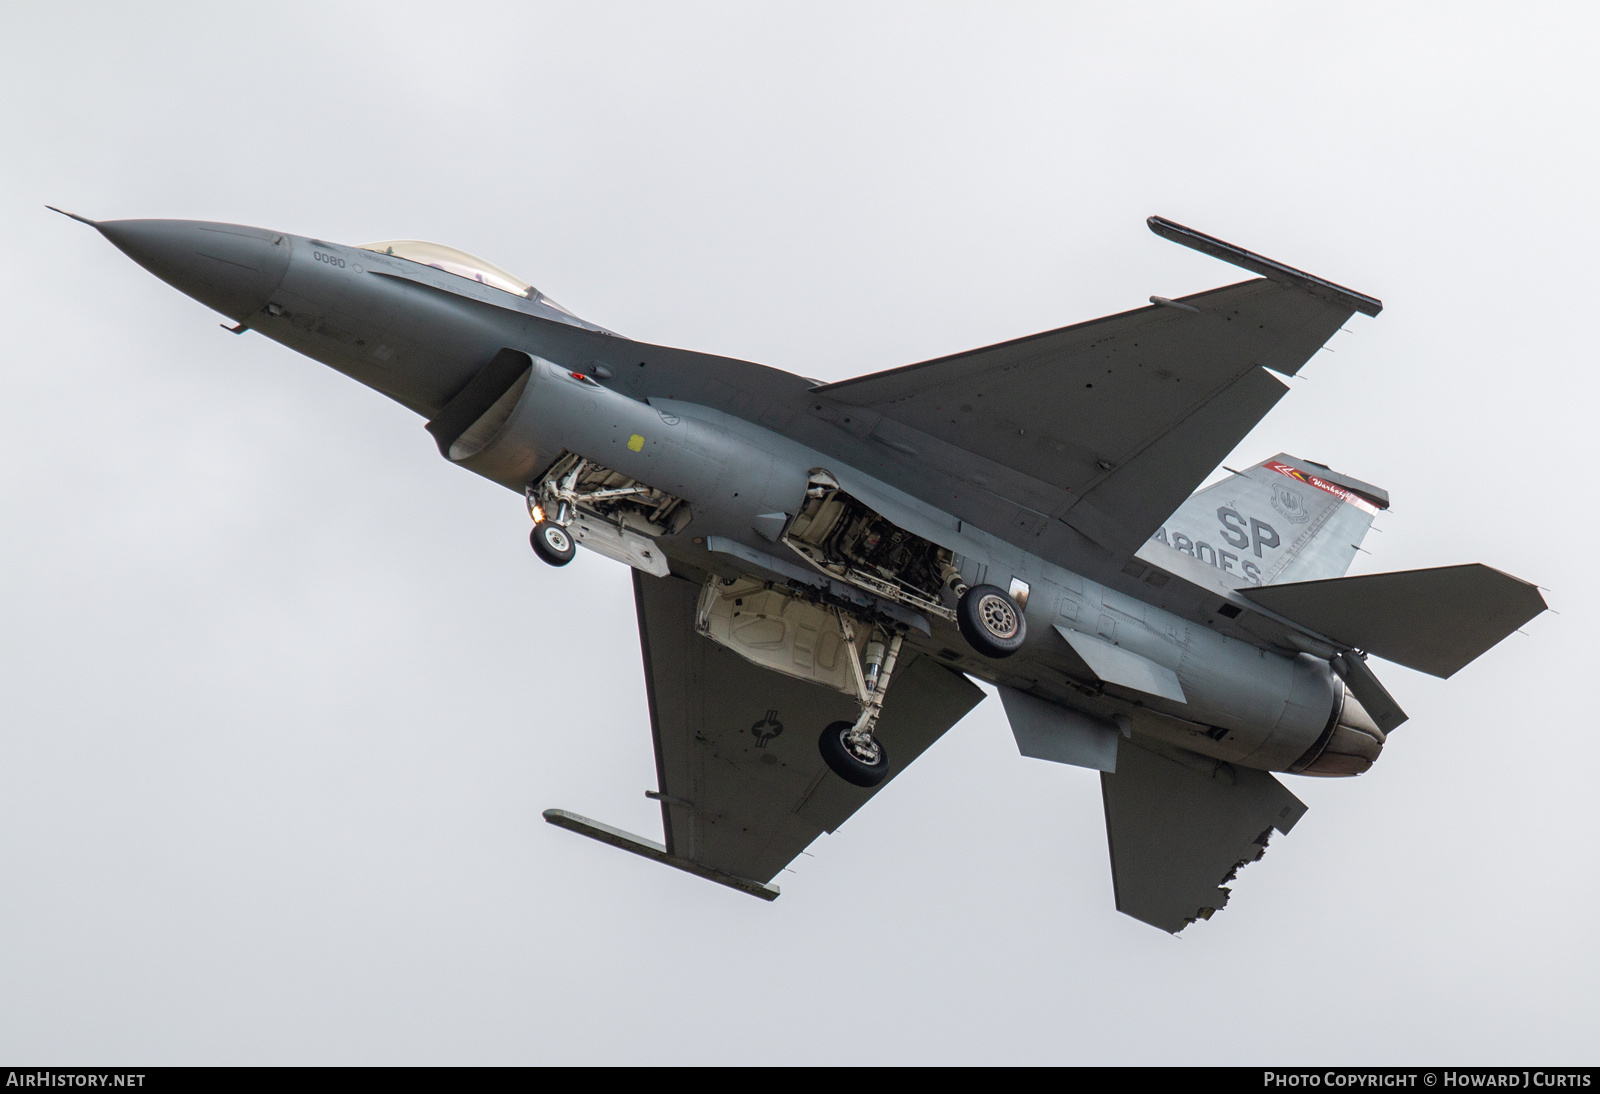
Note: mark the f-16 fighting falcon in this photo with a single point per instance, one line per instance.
(822, 569)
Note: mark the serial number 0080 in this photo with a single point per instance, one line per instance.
(332, 260)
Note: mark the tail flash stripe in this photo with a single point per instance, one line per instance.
(1322, 484)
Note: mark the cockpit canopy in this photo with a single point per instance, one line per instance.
(460, 263)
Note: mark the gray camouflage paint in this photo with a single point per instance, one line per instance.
(417, 335)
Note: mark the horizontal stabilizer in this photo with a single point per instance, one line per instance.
(1435, 621)
(1179, 831)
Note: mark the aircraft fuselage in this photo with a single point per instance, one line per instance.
(419, 335)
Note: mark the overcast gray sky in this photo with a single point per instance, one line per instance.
(285, 693)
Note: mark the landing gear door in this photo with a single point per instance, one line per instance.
(770, 627)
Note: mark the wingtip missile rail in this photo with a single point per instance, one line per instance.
(1266, 267)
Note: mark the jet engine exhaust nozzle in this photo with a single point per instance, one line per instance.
(1350, 745)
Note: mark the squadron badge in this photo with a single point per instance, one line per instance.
(1291, 503)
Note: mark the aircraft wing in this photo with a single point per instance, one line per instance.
(1126, 414)
(743, 787)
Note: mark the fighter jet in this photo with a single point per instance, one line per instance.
(821, 570)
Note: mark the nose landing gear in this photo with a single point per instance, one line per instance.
(578, 501)
(550, 539)
(552, 543)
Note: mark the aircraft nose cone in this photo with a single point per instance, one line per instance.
(229, 267)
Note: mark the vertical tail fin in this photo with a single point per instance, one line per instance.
(1284, 519)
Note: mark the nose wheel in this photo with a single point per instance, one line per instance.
(552, 543)
(550, 539)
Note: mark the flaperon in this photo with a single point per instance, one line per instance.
(819, 568)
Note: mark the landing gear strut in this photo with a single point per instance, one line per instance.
(851, 750)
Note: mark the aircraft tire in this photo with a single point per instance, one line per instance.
(552, 543)
(991, 621)
(846, 764)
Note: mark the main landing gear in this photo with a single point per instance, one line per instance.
(851, 749)
(861, 760)
(989, 618)
(991, 621)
